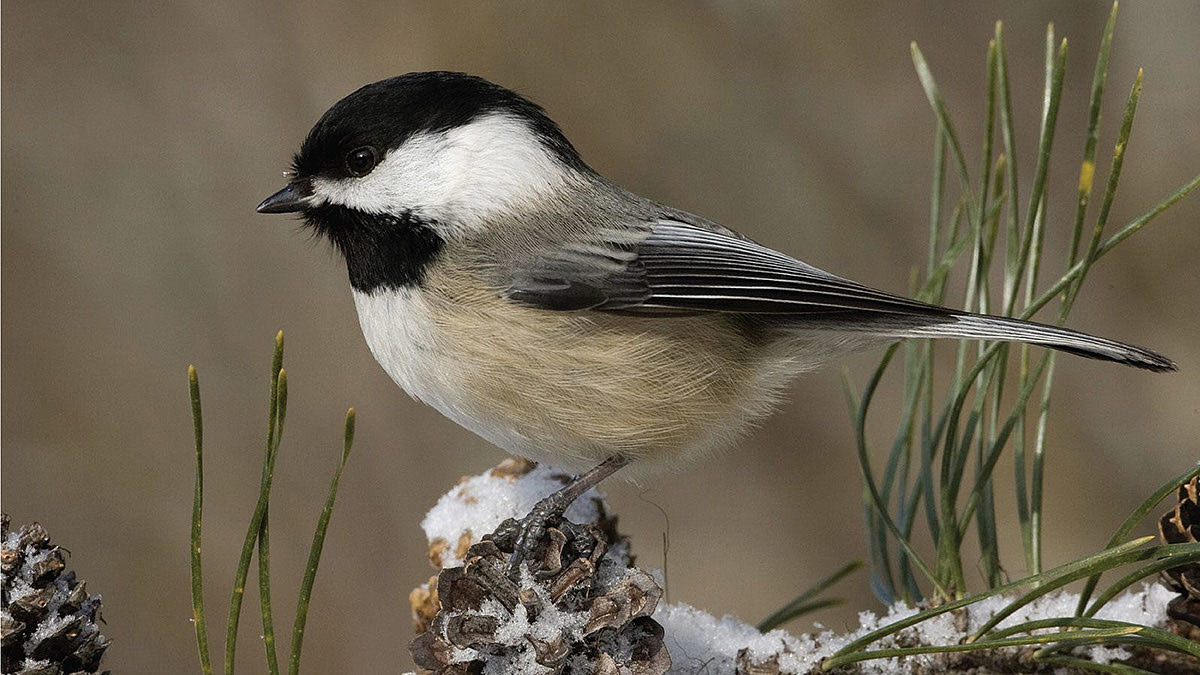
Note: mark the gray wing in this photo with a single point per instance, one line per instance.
(672, 267)
(669, 267)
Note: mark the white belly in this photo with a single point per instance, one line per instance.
(570, 389)
(407, 342)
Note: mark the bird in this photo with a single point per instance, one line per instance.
(503, 281)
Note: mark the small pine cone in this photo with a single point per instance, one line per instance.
(1181, 525)
(580, 611)
(48, 621)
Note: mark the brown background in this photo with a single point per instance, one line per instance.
(139, 136)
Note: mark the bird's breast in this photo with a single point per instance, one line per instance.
(401, 336)
(566, 387)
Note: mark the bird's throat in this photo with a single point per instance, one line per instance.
(382, 251)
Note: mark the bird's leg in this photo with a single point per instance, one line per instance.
(532, 527)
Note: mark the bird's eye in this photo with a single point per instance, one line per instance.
(360, 161)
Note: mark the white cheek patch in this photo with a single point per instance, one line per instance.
(457, 178)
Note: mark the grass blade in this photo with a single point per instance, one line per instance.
(1013, 228)
(1141, 221)
(1031, 510)
(274, 434)
(1040, 639)
(989, 126)
(1042, 169)
(796, 611)
(1087, 168)
(1033, 538)
(1110, 191)
(997, 447)
(1027, 495)
(1038, 470)
(1075, 569)
(981, 262)
(1070, 276)
(987, 527)
(935, 200)
(939, 109)
(198, 619)
(252, 532)
(864, 460)
(977, 433)
(897, 470)
(802, 604)
(314, 552)
(1130, 229)
(1037, 229)
(1084, 664)
(1161, 638)
(264, 596)
(1132, 520)
(1173, 560)
(1124, 558)
(882, 584)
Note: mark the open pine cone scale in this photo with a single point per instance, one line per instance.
(49, 623)
(579, 612)
(1181, 525)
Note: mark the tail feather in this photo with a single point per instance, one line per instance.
(981, 327)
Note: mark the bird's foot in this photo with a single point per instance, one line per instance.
(527, 534)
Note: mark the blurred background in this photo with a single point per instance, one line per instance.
(138, 137)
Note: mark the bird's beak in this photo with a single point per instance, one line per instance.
(288, 200)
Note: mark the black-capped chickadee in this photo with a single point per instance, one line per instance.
(500, 279)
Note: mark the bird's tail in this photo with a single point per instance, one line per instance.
(982, 327)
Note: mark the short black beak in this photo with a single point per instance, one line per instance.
(288, 200)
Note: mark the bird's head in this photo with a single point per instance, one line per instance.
(398, 168)
(443, 149)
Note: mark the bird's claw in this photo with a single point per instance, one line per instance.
(527, 533)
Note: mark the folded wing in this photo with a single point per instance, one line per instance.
(669, 267)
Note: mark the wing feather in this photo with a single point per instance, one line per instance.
(681, 267)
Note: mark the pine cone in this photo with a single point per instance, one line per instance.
(581, 612)
(48, 621)
(1181, 525)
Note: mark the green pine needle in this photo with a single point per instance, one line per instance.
(942, 440)
(274, 434)
(314, 553)
(1084, 664)
(198, 619)
(278, 384)
(805, 603)
(1083, 636)
(258, 532)
(1178, 558)
(1063, 574)
(1132, 520)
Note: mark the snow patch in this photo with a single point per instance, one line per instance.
(477, 506)
(696, 639)
(700, 642)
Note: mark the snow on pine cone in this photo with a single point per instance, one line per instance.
(579, 611)
(48, 620)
